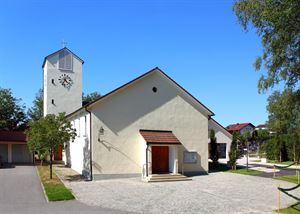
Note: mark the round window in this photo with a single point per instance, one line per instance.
(154, 89)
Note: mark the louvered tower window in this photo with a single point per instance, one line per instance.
(65, 60)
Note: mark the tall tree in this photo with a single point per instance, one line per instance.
(36, 111)
(214, 153)
(12, 112)
(90, 97)
(284, 120)
(277, 22)
(49, 132)
(283, 111)
(234, 152)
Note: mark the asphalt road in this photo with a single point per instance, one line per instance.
(21, 193)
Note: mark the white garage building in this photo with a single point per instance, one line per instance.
(13, 148)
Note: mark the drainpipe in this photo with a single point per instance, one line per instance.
(91, 154)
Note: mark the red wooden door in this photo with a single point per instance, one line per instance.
(160, 159)
(58, 153)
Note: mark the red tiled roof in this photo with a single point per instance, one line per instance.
(260, 126)
(238, 126)
(16, 136)
(159, 137)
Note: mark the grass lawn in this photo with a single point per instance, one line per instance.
(55, 189)
(224, 168)
(289, 178)
(294, 209)
(244, 171)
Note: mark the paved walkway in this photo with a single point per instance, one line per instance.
(214, 193)
(21, 193)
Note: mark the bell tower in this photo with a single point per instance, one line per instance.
(62, 84)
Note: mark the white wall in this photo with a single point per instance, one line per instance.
(121, 150)
(77, 153)
(65, 100)
(221, 134)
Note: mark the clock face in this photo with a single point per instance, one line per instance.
(65, 80)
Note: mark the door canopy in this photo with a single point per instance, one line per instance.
(157, 137)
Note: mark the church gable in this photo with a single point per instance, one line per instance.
(151, 95)
(166, 84)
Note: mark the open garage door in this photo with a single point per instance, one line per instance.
(21, 154)
(3, 153)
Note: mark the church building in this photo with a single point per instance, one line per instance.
(149, 126)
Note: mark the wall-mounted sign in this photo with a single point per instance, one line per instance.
(190, 157)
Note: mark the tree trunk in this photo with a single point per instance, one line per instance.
(295, 160)
(280, 160)
(51, 163)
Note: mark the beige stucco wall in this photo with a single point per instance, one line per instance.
(65, 100)
(121, 150)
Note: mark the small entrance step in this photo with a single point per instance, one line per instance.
(167, 178)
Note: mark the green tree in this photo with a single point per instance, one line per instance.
(234, 152)
(284, 121)
(277, 22)
(90, 97)
(261, 138)
(36, 111)
(49, 132)
(12, 112)
(214, 153)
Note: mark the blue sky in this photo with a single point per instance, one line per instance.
(198, 43)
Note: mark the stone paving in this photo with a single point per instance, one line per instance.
(215, 193)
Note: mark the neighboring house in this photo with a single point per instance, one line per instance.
(150, 125)
(240, 127)
(13, 148)
(224, 138)
(261, 127)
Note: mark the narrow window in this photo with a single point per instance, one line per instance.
(85, 126)
(53, 81)
(52, 101)
(79, 127)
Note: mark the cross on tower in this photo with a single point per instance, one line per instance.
(64, 43)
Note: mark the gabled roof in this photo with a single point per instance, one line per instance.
(65, 48)
(13, 136)
(159, 137)
(238, 126)
(226, 131)
(156, 69)
(261, 126)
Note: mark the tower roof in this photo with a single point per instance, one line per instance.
(65, 48)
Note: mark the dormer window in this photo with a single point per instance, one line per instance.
(65, 60)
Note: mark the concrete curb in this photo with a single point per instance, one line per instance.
(46, 197)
